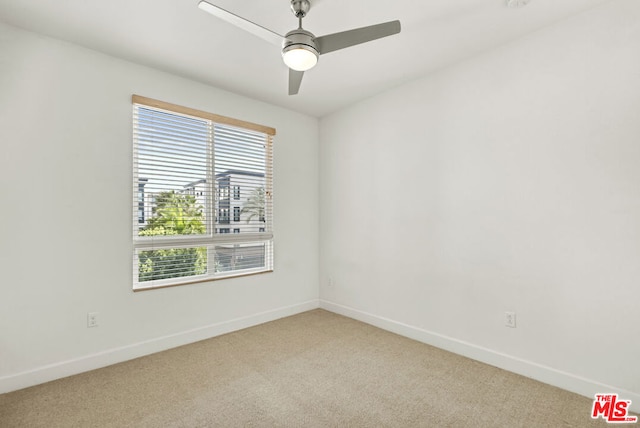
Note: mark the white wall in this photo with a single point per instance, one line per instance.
(509, 182)
(65, 211)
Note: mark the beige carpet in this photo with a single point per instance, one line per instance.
(315, 369)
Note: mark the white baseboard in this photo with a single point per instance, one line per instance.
(548, 375)
(117, 355)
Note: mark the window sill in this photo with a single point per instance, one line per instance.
(199, 280)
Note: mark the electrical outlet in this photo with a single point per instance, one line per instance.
(92, 319)
(332, 281)
(510, 319)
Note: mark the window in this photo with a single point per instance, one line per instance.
(184, 162)
(223, 215)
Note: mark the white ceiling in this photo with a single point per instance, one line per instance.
(176, 36)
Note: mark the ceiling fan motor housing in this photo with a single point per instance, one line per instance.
(300, 38)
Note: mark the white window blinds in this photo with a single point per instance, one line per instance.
(202, 187)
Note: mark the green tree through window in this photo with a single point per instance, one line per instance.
(175, 214)
(254, 207)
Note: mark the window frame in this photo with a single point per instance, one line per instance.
(213, 238)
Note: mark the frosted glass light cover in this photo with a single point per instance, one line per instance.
(300, 59)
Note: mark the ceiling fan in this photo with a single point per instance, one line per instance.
(300, 48)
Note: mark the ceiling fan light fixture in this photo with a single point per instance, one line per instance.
(300, 57)
(300, 48)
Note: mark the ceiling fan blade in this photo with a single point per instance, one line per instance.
(345, 39)
(295, 78)
(253, 28)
